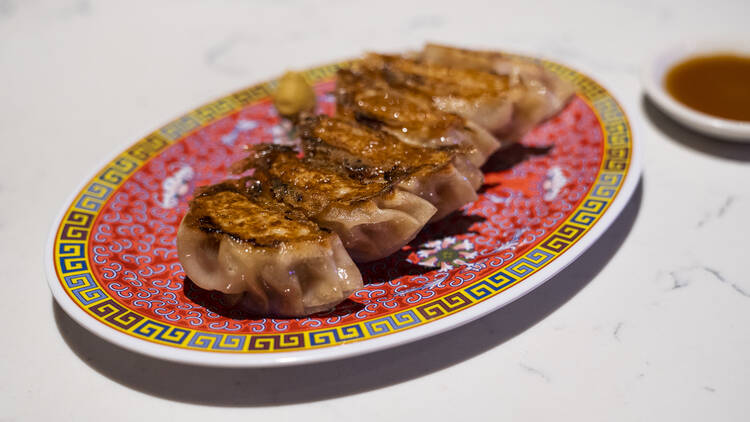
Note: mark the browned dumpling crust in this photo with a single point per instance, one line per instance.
(362, 95)
(238, 209)
(411, 116)
(481, 97)
(372, 218)
(404, 149)
(379, 150)
(538, 93)
(441, 176)
(264, 257)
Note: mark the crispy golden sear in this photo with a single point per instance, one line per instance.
(538, 93)
(307, 185)
(436, 80)
(481, 98)
(367, 151)
(366, 96)
(241, 210)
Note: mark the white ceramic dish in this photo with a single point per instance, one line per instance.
(653, 82)
(94, 238)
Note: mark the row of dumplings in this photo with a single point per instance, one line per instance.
(403, 150)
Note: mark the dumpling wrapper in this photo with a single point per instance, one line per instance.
(481, 97)
(538, 93)
(263, 257)
(442, 176)
(372, 218)
(413, 118)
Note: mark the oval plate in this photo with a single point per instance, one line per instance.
(112, 260)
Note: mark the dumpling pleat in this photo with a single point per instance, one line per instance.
(293, 280)
(378, 227)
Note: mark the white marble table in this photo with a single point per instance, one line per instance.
(650, 324)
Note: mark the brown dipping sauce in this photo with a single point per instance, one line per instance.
(718, 85)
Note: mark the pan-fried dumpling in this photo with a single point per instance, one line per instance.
(266, 258)
(411, 117)
(443, 176)
(372, 218)
(481, 97)
(539, 94)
